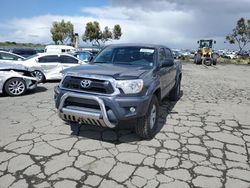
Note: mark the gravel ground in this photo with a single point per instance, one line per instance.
(203, 141)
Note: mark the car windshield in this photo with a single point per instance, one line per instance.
(142, 56)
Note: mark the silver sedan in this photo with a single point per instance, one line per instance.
(15, 79)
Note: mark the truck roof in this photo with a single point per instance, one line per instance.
(138, 45)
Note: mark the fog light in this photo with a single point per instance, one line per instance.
(132, 109)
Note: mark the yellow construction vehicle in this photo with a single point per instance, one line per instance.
(204, 54)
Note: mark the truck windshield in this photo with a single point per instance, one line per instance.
(142, 56)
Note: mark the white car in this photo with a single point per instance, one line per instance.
(231, 55)
(48, 66)
(10, 57)
(59, 49)
(15, 79)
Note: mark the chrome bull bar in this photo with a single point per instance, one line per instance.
(84, 115)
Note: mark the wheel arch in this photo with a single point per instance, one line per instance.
(157, 93)
(41, 72)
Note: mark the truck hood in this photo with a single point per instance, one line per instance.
(118, 72)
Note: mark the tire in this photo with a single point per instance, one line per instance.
(15, 87)
(39, 75)
(174, 94)
(147, 126)
(197, 59)
(215, 57)
(207, 62)
(214, 61)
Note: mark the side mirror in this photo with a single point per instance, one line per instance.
(214, 41)
(19, 59)
(167, 63)
(198, 42)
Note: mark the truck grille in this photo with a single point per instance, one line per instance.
(86, 103)
(96, 86)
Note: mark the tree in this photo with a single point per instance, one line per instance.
(240, 34)
(117, 32)
(62, 32)
(94, 34)
(106, 34)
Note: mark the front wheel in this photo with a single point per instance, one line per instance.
(147, 126)
(207, 61)
(15, 87)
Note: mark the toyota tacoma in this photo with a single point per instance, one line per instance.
(124, 83)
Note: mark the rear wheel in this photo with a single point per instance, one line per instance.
(197, 59)
(215, 57)
(39, 75)
(147, 126)
(15, 87)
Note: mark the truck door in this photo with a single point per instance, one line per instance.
(172, 69)
(164, 71)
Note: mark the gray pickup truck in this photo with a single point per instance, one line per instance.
(124, 83)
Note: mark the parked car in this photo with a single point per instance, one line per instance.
(123, 83)
(83, 55)
(94, 51)
(176, 54)
(59, 49)
(16, 79)
(39, 50)
(221, 53)
(25, 52)
(230, 55)
(187, 53)
(10, 57)
(243, 54)
(4, 49)
(48, 66)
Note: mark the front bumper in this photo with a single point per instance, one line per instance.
(101, 110)
(31, 84)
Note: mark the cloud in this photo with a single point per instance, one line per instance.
(36, 29)
(142, 26)
(177, 24)
(210, 6)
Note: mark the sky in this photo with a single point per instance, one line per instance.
(175, 23)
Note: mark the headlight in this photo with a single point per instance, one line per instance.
(130, 86)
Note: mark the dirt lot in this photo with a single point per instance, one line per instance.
(204, 140)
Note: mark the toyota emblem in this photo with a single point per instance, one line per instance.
(85, 83)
